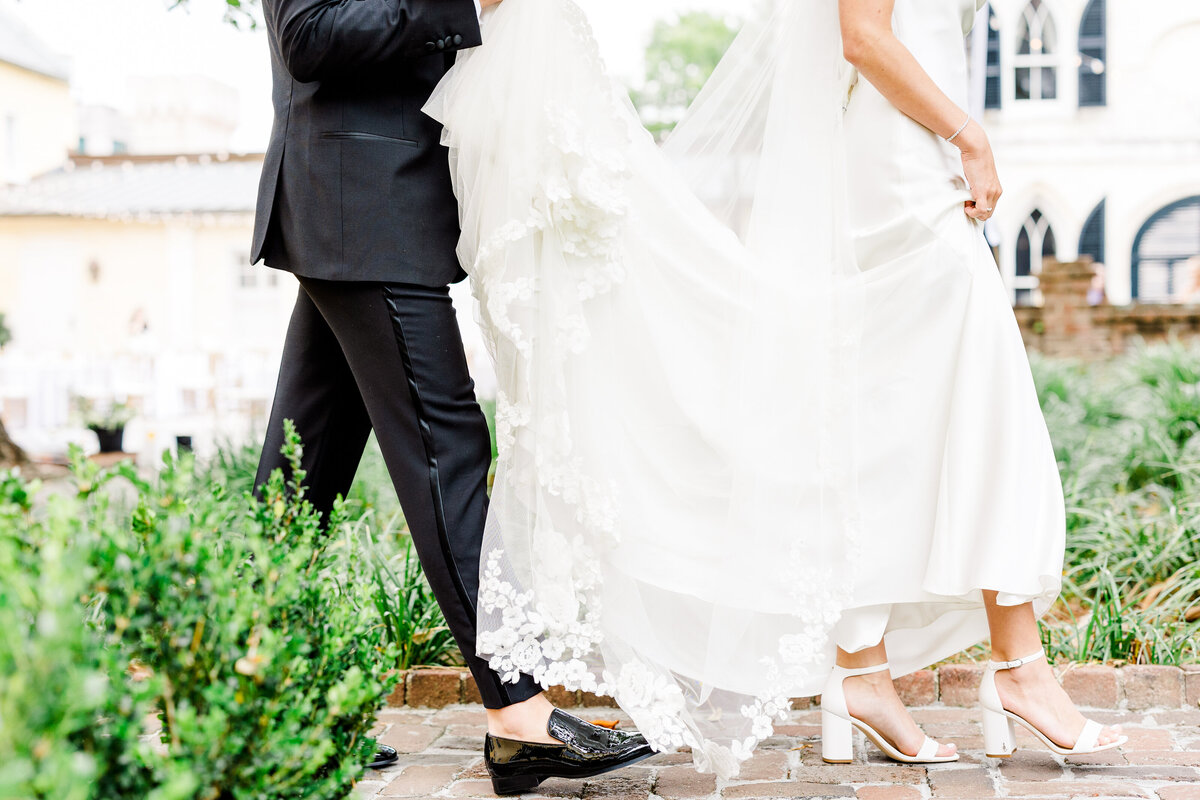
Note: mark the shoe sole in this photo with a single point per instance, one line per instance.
(889, 751)
(527, 783)
(384, 764)
(1054, 747)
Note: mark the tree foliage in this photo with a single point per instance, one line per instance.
(239, 13)
(679, 60)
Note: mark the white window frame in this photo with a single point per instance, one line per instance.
(1034, 20)
(250, 279)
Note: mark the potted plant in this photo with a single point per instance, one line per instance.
(107, 421)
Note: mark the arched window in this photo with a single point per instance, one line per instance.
(991, 96)
(1093, 46)
(1166, 255)
(1036, 61)
(1091, 240)
(1035, 243)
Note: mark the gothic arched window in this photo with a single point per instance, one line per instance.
(1093, 47)
(1166, 255)
(1091, 240)
(1036, 62)
(1035, 244)
(992, 91)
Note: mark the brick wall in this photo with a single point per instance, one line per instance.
(1132, 687)
(1065, 325)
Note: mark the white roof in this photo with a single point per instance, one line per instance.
(19, 46)
(138, 187)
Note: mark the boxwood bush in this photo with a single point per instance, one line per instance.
(70, 716)
(250, 629)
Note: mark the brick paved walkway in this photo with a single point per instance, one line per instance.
(1161, 762)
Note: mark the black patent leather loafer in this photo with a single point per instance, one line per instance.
(384, 757)
(586, 750)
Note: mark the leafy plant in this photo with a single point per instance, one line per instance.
(256, 618)
(410, 613)
(250, 626)
(233, 467)
(5, 333)
(411, 617)
(1124, 436)
(109, 416)
(70, 716)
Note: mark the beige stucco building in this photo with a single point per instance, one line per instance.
(128, 278)
(37, 115)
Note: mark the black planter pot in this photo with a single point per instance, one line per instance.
(112, 440)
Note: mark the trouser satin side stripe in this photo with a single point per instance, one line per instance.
(435, 486)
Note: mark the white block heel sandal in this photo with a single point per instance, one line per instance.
(837, 726)
(1000, 725)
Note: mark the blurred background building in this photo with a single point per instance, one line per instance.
(126, 216)
(1094, 114)
(37, 114)
(124, 259)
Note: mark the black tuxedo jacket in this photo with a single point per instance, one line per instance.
(355, 184)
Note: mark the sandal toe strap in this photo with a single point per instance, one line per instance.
(1088, 737)
(929, 749)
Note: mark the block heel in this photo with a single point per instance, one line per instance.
(837, 739)
(999, 735)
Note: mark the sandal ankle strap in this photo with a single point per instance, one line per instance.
(1020, 662)
(854, 673)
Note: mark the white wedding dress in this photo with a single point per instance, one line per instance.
(735, 435)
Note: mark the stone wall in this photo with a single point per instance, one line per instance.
(1066, 325)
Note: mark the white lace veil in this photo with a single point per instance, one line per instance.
(672, 520)
(763, 147)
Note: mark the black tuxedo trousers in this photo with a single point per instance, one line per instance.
(389, 357)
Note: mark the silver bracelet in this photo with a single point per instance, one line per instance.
(960, 130)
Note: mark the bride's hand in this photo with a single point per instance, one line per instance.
(980, 168)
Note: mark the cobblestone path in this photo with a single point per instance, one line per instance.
(441, 758)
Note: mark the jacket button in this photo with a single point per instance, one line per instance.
(441, 45)
(430, 47)
(458, 39)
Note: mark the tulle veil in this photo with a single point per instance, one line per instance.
(675, 333)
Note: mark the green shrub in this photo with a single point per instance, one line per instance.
(410, 614)
(1124, 434)
(408, 611)
(262, 628)
(252, 628)
(235, 465)
(70, 717)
